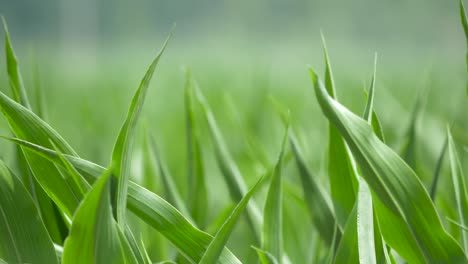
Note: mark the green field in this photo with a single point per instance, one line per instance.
(328, 154)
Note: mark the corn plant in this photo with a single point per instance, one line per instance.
(373, 207)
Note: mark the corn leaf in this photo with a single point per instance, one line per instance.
(459, 186)
(151, 208)
(121, 155)
(172, 193)
(219, 241)
(232, 175)
(343, 181)
(23, 236)
(265, 257)
(198, 193)
(318, 204)
(438, 168)
(394, 183)
(14, 75)
(317, 200)
(272, 233)
(464, 22)
(95, 236)
(365, 225)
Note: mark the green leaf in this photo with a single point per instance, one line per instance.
(365, 225)
(408, 152)
(14, 75)
(265, 257)
(438, 168)
(95, 236)
(459, 186)
(370, 97)
(318, 203)
(170, 187)
(464, 22)
(218, 243)
(369, 112)
(22, 232)
(151, 208)
(28, 126)
(347, 251)
(121, 155)
(357, 244)
(198, 193)
(232, 175)
(343, 181)
(48, 210)
(272, 235)
(317, 200)
(394, 183)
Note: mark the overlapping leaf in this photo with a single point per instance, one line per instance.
(272, 233)
(149, 207)
(23, 236)
(459, 186)
(394, 183)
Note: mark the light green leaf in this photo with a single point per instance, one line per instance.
(272, 235)
(347, 251)
(23, 236)
(459, 186)
(121, 155)
(218, 243)
(318, 204)
(198, 194)
(317, 200)
(464, 22)
(265, 257)
(438, 168)
(14, 75)
(172, 193)
(28, 126)
(95, 236)
(149, 207)
(232, 175)
(394, 183)
(365, 225)
(343, 181)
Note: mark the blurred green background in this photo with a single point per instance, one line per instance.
(89, 56)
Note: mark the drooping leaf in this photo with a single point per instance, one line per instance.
(219, 241)
(23, 236)
(28, 126)
(198, 202)
(95, 236)
(148, 206)
(48, 210)
(459, 186)
(121, 154)
(232, 175)
(272, 233)
(394, 183)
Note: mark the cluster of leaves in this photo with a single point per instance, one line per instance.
(68, 209)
